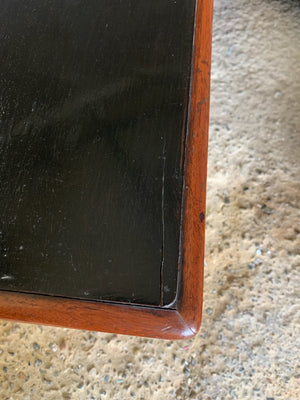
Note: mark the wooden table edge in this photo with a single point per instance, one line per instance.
(182, 321)
(128, 319)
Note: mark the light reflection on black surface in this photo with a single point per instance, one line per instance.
(93, 99)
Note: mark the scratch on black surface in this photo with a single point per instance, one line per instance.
(163, 223)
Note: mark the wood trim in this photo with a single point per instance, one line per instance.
(184, 320)
(191, 281)
(94, 316)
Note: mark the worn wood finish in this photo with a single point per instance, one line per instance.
(182, 318)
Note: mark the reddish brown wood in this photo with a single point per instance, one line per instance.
(95, 316)
(191, 290)
(183, 321)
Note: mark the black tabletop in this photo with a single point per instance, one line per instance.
(92, 127)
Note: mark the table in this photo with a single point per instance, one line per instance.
(103, 148)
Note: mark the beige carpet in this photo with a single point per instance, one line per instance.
(249, 343)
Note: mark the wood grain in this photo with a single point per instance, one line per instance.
(94, 316)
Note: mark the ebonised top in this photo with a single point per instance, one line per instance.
(93, 100)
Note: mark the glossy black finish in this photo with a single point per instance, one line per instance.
(93, 102)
